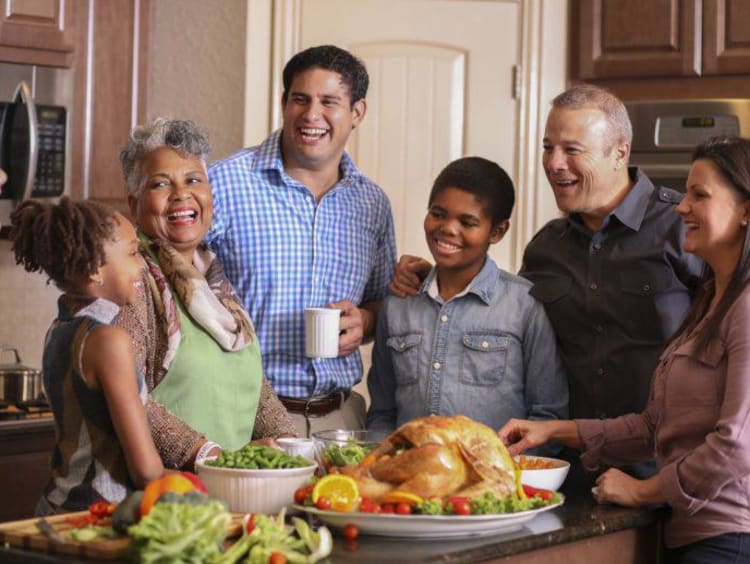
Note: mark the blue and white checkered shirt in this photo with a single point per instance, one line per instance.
(284, 252)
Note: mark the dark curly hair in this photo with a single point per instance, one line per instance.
(329, 57)
(485, 180)
(65, 240)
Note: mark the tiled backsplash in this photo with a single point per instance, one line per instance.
(27, 307)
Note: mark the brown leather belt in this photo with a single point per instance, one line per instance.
(318, 406)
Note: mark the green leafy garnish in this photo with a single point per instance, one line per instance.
(351, 453)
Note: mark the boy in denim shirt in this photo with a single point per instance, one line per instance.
(472, 341)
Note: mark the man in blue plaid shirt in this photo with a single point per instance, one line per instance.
(297, 225)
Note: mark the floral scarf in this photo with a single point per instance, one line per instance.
(204, 292)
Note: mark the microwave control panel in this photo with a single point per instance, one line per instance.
(50, 164)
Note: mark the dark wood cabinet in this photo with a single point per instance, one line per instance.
(613, 39)
(38, 32)
(619, 38)
(726, 37)
(25, 450)
(111, 84)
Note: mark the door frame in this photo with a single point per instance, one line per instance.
(273, 37)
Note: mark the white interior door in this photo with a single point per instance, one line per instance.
(441, 87)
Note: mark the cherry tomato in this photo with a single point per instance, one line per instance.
(99, 509)
(301, 494)
(323, 503)
(276, 558)
(531, 491)
(403, 508)
(367, 505)
(81, 521)
(461, 508)
(250, 525)
(351, 532)
(387, 508)
(454, 499)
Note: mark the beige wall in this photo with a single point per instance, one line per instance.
(198, 66)
(27, 307)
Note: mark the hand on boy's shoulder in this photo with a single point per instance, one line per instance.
(409, 274)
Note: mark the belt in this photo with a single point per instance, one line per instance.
(316, 406)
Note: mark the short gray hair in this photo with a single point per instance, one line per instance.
(184, 136)
(619, 128)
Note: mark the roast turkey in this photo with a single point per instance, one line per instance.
(437, 457)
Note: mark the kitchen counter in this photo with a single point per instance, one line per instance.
(25, 449)
(579, 531)
(36, 423)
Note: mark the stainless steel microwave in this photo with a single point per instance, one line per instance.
(33, 141)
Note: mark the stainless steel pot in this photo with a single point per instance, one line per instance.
(19, 383)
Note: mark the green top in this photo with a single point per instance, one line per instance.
(214, 391)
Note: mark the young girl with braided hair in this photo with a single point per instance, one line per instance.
(103, 444)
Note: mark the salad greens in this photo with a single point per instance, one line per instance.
(181, 532)
(271, 535)
(351, 453)
(488, 504)
(257, 457)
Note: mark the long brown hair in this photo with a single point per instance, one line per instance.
(731, 157)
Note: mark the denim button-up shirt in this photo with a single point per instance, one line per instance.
(488, 353)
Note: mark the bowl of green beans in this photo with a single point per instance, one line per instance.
(255, 478)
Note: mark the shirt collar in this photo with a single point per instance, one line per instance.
(632, 209)
(100, 309)
(269, 158)
(483, 285)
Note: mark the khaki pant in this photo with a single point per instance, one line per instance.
(352, 415)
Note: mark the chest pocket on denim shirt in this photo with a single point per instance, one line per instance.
(484, 359)
(405, 355)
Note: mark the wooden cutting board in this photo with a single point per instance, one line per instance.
(25, 535)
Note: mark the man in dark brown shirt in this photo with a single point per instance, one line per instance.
(612, 274)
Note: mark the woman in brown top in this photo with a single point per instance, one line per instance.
(194, 343)
(697, 421)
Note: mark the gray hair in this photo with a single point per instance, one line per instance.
(619, 128)
(184, 136)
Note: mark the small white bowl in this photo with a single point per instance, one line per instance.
(546, 478)
(295, 446)
(254, 491)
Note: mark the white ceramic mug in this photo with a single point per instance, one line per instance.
(322, 332)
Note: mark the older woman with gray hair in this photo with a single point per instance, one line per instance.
(195, 344)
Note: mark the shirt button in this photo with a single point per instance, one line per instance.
(597, 246)
(600, 371)
(436, 366)
(647, 287)
(593, 286)
(402, 345)
(598, 328)
(485, 344)
(444, 318)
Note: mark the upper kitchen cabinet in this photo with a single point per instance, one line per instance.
(659, 38)
(726, 37)
(38, 32)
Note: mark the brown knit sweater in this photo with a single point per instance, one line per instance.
(176, 440)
